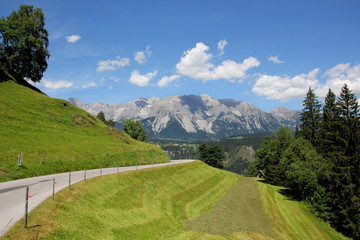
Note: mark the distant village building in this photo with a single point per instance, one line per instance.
(260, 174)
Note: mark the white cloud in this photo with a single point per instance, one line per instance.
(56, 84)
(221, 46)
(284, 87)
(164, 81)
(90, 84)
(275, 59)
(141, 56)
(196, 64)
(141, 80)
(73, 38)
(115, 79)
(339, 75)
(112, 64)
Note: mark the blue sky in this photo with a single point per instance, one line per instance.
(266, 52)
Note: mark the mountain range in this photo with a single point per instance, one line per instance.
(194, 117)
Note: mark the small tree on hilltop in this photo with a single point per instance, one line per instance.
(135, 130)
(23, 43)
(101, 117)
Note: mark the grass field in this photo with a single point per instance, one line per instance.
(292, 220)
(188, 201)
(60, 135)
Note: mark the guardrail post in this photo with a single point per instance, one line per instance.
(53, 195)
(69, 179)
(26, 206)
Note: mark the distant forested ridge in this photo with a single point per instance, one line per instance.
(321, 163)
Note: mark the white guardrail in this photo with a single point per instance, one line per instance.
(13, 193)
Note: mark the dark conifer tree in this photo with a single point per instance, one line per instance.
(344, 187)
(331, 140)
(212, 156)
(310, 117)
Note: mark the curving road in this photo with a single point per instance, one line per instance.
(12, 193)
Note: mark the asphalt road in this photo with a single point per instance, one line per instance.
(12, 193)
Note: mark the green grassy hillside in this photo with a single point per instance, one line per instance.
(188, 201)
(61, 136)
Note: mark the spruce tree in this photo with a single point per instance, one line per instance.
(331, 141)
(344, 187)
(310, 117)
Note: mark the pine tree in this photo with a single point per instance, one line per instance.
(344, 188)
(331, 141)
(212, 156)
(349, 109)
(310, 117)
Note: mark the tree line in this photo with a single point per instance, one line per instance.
(321, 163)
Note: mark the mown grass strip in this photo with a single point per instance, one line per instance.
(144, 204)
(240, 210)
(168, 203)
(292, 220)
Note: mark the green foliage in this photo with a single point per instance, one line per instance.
(101, 117)
(212, 156)
(268, 157)
(23, 43)
(266, 154)
(135, 130)
(304, 168)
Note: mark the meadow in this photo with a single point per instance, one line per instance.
(55, 136)
(187, 201)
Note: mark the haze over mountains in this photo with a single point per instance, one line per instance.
(196, 117)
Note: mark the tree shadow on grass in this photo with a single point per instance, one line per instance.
(286, 192)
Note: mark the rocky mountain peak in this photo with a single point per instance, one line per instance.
(193, 116)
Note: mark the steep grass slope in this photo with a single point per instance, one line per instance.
(188, 201)
(55, 136)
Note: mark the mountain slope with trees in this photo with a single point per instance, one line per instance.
(321, 165)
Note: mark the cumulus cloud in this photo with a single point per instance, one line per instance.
(90, 84)
(195, 63)
(341, 74)
(73, 38)
(141, 80)
(164, 81)
(285, 88)
(112, 64)
(56, 84)
(275, 59)
(142, 56)
(221, 46)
